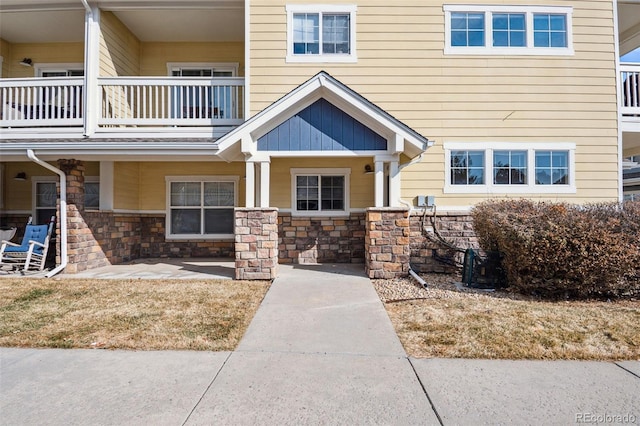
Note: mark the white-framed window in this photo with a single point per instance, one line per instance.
(201, 207)
(508, 30)
(505, 167)
(92, 192)
(321, 33)
(44, 199)
(204, 101)
(320, 192)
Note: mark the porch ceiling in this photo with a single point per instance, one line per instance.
(37, 21)
(629, 25)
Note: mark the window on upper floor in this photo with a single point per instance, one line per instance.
(503, 167)
(321, 33)
(508, 30)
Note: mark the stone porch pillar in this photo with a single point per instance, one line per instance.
(256, 238)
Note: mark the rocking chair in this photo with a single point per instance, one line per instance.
(32, 252)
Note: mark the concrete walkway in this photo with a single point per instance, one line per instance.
(321, 350)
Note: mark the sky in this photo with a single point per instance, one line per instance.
(633, 56)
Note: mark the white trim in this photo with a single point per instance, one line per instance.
(316, 154)
(106, 185)
(319, 9)
(264, 181)
(489, 188)
(57, 67)
(345, 172)
(616, 46)
(250, 184)
(247, 59)
(198, 179)
(489, 49)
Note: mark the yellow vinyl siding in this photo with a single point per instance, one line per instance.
(361, 185)
(119, 48)
(40, 53)
(155, 56)
(402, 68)
(126, 183)
(18, 194)
(153, 184)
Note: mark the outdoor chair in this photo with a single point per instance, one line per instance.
(31, 254)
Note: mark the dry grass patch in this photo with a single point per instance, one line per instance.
(444, 321)
(131, 314)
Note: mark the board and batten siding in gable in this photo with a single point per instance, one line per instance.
(401, 68)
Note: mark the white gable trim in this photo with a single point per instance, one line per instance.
(401, 139)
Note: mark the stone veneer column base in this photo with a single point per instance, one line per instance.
(387, 242)
(256, 237)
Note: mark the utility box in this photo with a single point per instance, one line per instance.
(426, 200)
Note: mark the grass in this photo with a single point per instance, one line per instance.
(127, 314)
(452, 324)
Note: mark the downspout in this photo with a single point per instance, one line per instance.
(63, 211)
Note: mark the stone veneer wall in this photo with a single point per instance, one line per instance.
(256, 235)
(429, 253)
(387, 243)
(394, 239)
(321, 239)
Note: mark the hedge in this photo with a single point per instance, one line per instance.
(561, 250)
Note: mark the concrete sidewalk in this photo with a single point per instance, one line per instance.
(321, 350)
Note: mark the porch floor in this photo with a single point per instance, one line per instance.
(164, 268)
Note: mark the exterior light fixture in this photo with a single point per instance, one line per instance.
(21, 176)
(26, 62)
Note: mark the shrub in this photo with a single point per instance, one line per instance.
(563, 250)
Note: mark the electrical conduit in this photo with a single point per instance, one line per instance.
(417, 159)
(63, 211)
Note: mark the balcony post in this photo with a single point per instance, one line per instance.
(91, 106)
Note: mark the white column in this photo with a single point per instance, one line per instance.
(379, 184)
(250, 184)
(394, 184)
(92, 70)
(106, 185)
(265, 183)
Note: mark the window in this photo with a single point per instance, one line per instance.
(549, 30)
(320, 191)
(45, 195)
(552, 167)
(201, 207)
(206, 100)
(510, 168)
(92, 193)
(506, 30)
(509, 29)
(467, 29)
(321, 33)
(467, 167)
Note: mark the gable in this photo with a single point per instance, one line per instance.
(322, 127)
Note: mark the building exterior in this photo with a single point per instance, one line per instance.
(296, 131)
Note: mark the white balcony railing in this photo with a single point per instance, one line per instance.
(630, 90)
(171, 101)
(41, 102)
(131, 103)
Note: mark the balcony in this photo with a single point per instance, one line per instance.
(151, 105)
(630, 92)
